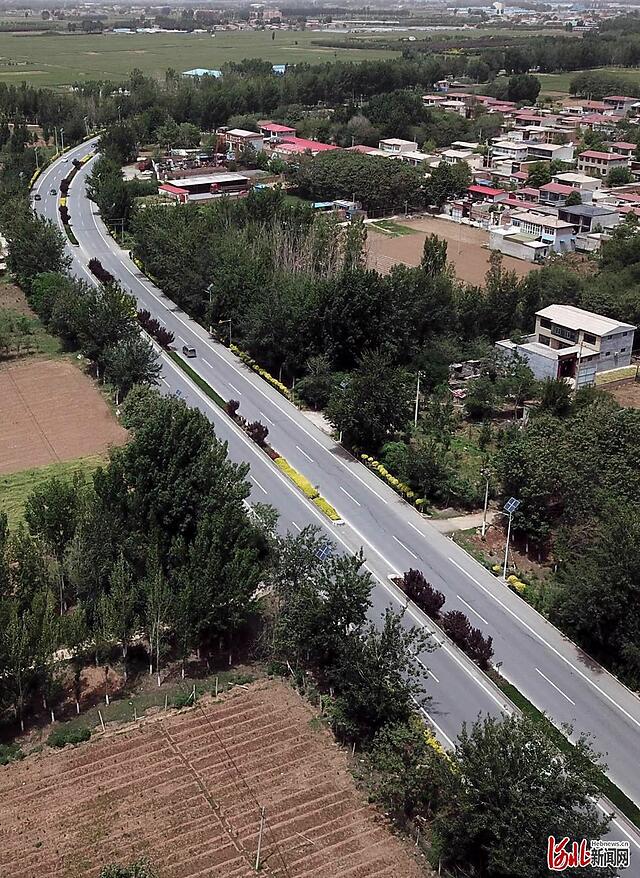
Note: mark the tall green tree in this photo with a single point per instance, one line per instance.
(481, 825)
(374, 404)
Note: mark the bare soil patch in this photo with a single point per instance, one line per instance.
(12, 298)
(627, 393)
(186, 789)
(51, 412)
(467, 249)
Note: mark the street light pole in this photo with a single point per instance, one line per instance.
(62, 138)
(228, 320)
(506, 548)
(415, 414)
(486, 473)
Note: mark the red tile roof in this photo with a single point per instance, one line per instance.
(557, 188)
(301, 144)
(485, 190)
(276, 128)
(606, 156)
(622, 144)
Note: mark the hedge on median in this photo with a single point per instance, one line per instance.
(297, 478)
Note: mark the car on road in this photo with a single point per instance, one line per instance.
(37, 197)
(188, 352)
(53, 192)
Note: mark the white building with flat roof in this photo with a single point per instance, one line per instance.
(398, 145)
(574, 344)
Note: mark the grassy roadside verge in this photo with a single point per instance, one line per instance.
(200, 382)
(606, 786)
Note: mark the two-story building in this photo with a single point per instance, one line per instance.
(237, 140)
(557, 233)
(555, 194)
(397, 145)
(550, 152)
(599, 164)
(588, 218)
(574, 344)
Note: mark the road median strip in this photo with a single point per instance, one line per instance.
(283, 465)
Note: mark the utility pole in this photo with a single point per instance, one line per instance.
(415, 414)
(62, 138)
(262, 810)
(55, 135)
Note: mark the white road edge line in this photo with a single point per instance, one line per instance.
(557, 688)
(349, 495)
(429, 672)
(406, 548)
(618, 825)
(469, 607)
(433, 723)
(549, 645)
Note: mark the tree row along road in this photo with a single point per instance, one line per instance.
(547, 668)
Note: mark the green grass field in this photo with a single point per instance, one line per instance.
(559, 82)
(60, 60)
(16, 487)
(392, 228)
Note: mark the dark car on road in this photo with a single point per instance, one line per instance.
(188, 352)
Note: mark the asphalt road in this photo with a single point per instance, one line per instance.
(551, 671)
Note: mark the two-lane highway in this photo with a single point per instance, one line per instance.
(544, 665)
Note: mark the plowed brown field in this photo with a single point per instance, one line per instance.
(186, 790)
(51, 411)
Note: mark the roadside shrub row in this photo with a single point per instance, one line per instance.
(401, 487)
(297, 478)
(163, 336)
(252, 364)
(454, 623)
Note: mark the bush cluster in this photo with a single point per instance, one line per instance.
(326, 508)
(422, 593)
(297, 478)
(100, 272)
(470, 640)
(307, 488)
(155, 330)
(62, 736)
(454, 623)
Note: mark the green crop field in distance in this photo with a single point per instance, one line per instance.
(59, 60)
(558, 83)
